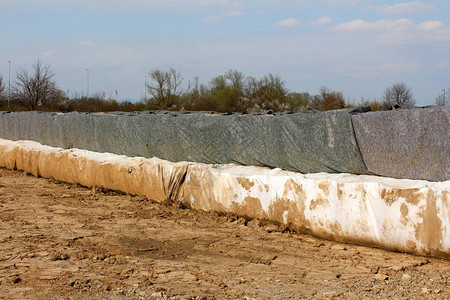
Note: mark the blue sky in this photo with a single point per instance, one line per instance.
(358, 47)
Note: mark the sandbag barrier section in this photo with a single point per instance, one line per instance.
(306, 143)
(400, 215)
(412, 144)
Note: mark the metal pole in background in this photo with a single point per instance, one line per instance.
(9, 81)
(87, 71)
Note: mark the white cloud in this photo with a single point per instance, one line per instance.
(85, 43)
(444, 64)
(291, 22)
(361, 25)
(221, 17)
(323, 21)
(431, 25)
(377, 67)
(443, 35)
(127, 6)
(407, 8)
(343, 2)
(399, 32)
(219, 3)
(47, 53)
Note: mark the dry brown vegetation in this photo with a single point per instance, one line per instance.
(168, 90)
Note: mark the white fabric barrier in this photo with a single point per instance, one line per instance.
(396, 214)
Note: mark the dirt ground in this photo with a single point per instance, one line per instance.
(63, 241)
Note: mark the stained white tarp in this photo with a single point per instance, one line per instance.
(402, 215)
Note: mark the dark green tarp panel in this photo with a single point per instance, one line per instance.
(305, 142)
(413, 143)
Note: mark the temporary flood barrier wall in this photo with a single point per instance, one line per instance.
(401, 215)
(411, 144)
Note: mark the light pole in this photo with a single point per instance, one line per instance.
(9, 81)
(87, 73)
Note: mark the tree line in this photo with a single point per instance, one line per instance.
(168, 90)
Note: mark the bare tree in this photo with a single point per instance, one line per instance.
(33, 90)
(59, 101)
(399, 94)
(298, 101)
(218, 82)
(443, 99)
(2, 87)
(251, 87)
(439, 101)
(328, 100)
(166, 87)
(236, 78)
(3, 95)
(196, 95)
(271, 92)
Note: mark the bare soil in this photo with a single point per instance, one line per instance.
(63, 241)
